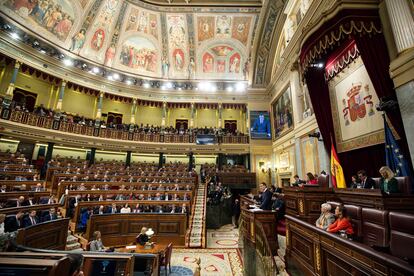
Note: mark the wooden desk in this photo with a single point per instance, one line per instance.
(39, 207)
(137, 185)
(158, 250)
(305, 203)
(317, 252)
(266, 219)
(131, 203)
(122, 229)
(238, 180)
(45, 235)
(373, 198)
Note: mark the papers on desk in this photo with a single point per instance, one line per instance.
(131, 247)
(254, 208)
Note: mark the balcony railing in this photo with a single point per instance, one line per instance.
(109, 133)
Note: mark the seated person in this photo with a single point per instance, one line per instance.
(366, 182)
(32, 219)
(355, 184)
(279, 206)
(51, 215)
(142, 237)
(298, 181)
(388, 183)
(84, 219)
(126, 209)
(97, 245)
(326, 218)
(342, 222)
(311, 179)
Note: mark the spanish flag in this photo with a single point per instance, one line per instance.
(338, 178)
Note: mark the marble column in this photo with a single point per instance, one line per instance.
(406, 103)
(220, 115)
(164, 114)
(61, 95)
(402, 23)
(92, 156)
(10, 89)
(247, 118)
(297, 94)
(128, 159)
(133, 110)
(100, 104)
(192, 115)
(298, 157)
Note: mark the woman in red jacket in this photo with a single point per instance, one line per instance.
(342, 222)
(311, 179)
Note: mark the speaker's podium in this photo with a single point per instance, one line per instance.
(258, 227)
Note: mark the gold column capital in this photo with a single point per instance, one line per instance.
(17, 64)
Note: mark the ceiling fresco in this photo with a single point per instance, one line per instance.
(188, 43)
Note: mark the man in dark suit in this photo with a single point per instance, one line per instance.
(266, 203)
(366, 182)
(31, 219)
(20, 202)
(12, 223)
(261, 126)
(113, 209)
(51, 216)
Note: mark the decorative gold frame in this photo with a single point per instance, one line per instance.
(366, 140)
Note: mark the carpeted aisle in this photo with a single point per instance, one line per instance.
(197, 219)
(214, 262)
(225, 237)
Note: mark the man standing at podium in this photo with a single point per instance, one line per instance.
(266, 203)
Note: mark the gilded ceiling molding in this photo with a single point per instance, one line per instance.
(263, 61)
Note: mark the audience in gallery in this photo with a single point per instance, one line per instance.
(342, 222)
(142, 128)
(326, 218)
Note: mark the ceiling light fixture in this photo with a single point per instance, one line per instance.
(68, 62)
(15, 35)
(240, 86)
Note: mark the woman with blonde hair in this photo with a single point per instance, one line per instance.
(388, 183)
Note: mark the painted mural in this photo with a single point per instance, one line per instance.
(155, 43)
(223, 26)
(140, 54)
(282, 114)
(240, 29)
(222, 59)
(205, 27)
(177, 43)
(142, 21)
(54, 16)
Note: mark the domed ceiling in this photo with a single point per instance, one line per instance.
(138, 37)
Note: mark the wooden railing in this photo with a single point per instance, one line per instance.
(264, 251)
(108, 133)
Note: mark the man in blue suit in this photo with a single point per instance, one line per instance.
(266, 197)
(261, 126)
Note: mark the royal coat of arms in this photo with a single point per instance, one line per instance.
(355, 107)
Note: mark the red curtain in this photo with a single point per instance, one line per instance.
(374, 53)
